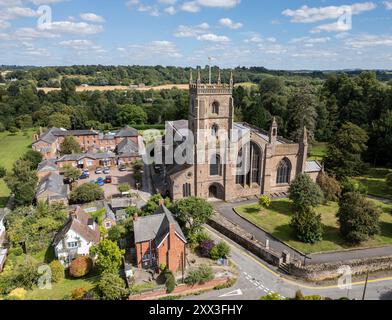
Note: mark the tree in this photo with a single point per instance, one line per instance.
(170, 282)
(3, 172)
(80, 267)
(108, 256)
(307, 225)
(220, 251)
(57, 270)
(131, 115)
(34, 157)
(264, 201)
(86, 193)
(344, 156)
(153, 204)
(117, 233)
(123, 187)
(71, 173)
(305, 193)
(111, 287)
(59, 120)
(70, 146)
(358, 218)
(192, 213)
(330, 186)
(388, 179)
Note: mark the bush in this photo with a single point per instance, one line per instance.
(305, 193)
(80, 267)
(3, 172)
(57, 271)
(388, 180)
(170, 282)
(358, 218)
(86, 193)
(123, 187)
(265, 201)
(199, 237)
(111, 287)
(78, 293)
(220, 251)
(271, 296)
(108, 255)
(349, 185)
(200, 275)
(307, 225)
(330, 187)
(205, 248)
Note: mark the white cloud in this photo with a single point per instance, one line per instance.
(310, 40)
(171, 10)
(159, 48)
(310, 15)
(4, 24)
(226, 22)
(191, 31)
(213, 38)
(195, 6)
(70, 27)
(388, 5)
(10, 13)
(363, 41)
(191, 6)
(92, 17)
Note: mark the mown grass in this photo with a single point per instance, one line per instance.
(374, 181)
(276, 221)
(318, 151)
(12, 147)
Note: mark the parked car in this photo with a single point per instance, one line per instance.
(106, 170)
(108, 179)
(100, 181)
(98, 171)
(84, 176)
(86, 172)
(122, 168)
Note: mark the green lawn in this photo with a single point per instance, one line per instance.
(276, 220)
(317, 151)
(374, 180)
(12, 147)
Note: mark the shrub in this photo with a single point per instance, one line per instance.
(18, 293)
(305, 193)
(3, 172)
(307, 225)
(358, 218)
(80, 267)
(200, 275)
(57, 271)
(220, 251)
(330, 187)
(109, 256)
(198, 238)
(264, 201)
(85, 193)
(111, 287)
(78, 293)
(123, 187)
(170, 281)
(349, 185)
(388, 180)
(205, 248)
(271, 296)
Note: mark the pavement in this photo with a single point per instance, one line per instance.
(257, 278)
(227, 210)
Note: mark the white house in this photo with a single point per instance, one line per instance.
(76, 238)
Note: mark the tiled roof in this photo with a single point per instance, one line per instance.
(312, 166)
(127, 132)
(53, 182)
(156, 227)
(47, 165)
(128, 147)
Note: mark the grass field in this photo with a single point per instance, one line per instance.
(374, 181)
(12, 147)
(276, 220)
(318, 151)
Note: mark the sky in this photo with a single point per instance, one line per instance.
(276, 34)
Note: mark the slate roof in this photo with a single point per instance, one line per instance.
(80, 156)
(64, 133)
(122, 203)
(127, 132)
(54, 183)
(47, 165)
(80, 222)
(312, 166)
(156, 227)
(127, 147)
(245, 127)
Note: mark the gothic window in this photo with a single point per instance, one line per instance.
(215, 107)
(215, 166)
(284, 172)
(186, 190)
(214, 130)
(240, 178)
(256, 163)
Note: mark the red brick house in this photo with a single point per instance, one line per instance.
(159, 240)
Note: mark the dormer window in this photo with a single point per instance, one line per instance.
(215, 107)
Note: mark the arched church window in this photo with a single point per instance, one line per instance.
(284, 172)
(215, 166)
(256, 163)
(186, 190)
(214, 130)
(215, 107)
(240, 177)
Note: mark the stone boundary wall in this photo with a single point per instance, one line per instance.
(328, 271)
(181, 290)
(244, 239)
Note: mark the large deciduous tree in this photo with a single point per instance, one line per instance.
(108, 256)
(70, 146)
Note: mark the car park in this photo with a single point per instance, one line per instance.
(84, 176)
(98, 171)
(108, 179)
(100, 181)
(122, 168)
(106, 170)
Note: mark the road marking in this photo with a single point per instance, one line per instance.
(232, 294)
(386, 279)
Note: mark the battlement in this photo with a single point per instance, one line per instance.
(214, 89)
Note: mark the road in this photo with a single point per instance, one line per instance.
(256, 279)
(226, 210)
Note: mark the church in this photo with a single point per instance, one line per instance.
(263, 162)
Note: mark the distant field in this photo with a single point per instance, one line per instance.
(374, 181)
(318, 151)
(12, 147)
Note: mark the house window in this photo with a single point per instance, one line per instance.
(72, 245)
(186, 190)
(215, 166)
(215, 107)
(284, 172)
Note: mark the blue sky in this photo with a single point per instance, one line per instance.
(278, 34)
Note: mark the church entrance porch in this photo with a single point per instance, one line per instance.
(216, 192)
